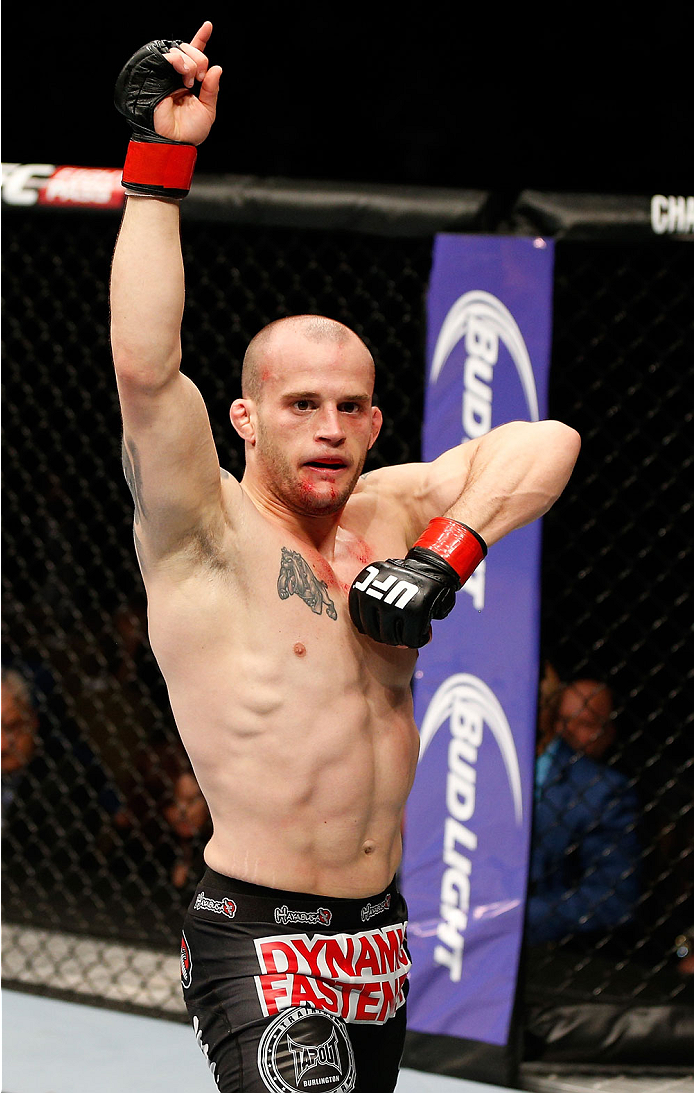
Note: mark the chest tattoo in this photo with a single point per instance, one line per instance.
(298, 579)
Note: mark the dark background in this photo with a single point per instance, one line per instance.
(427, 94)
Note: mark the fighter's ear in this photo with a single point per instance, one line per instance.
(376, 423)
(242, 416)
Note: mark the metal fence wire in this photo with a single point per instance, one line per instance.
(103, 824)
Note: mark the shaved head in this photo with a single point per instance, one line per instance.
(263, 347)
(306, 413)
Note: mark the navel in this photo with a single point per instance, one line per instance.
(300, 648)
(369, 846)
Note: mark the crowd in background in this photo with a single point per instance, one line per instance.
(97, 791)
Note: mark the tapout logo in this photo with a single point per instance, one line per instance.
(468, 705)
(481, 320)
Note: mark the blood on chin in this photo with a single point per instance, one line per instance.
(309, 494)
(323, 495)
(321, 500)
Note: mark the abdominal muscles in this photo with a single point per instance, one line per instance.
(305, 763)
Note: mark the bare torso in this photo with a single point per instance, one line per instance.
(300, 731)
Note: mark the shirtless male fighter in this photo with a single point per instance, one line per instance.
(289, 683)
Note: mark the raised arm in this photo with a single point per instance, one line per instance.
(169, 455)
(455, 508)
(501, 481)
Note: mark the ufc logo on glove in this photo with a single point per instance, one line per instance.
(386, 587)
(411, 591)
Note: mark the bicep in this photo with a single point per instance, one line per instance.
(170, 462)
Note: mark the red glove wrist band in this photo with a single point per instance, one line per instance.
(456, 543)
(155, 167)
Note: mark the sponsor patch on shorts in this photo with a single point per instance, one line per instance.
(225, 906)
(370, 910)
(303, 1050)
(358, 977)
(186, 963)
(323, 916)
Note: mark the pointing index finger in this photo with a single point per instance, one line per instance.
(203, 35)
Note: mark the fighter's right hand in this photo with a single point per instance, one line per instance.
(156, 92)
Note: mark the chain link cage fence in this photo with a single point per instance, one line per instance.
(103, 823)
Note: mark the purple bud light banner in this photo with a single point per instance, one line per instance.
(467, 830)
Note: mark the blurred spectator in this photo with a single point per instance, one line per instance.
(155, 766)
(189, 819)
(551, 690)
(584, 718)
(684, 950)
(168, 819)
(19, 727)
(56, 796)
(130, 624)
(585, 851)
(107, 704)
(135, 666)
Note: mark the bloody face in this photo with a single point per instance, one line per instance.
(315, 423)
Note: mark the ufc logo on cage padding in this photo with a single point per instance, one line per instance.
(387, 590)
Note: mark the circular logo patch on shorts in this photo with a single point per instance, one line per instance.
(305, 1050)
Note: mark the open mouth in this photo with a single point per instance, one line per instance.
(326, 464)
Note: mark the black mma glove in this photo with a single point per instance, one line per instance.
(154, 166)
(393, 602)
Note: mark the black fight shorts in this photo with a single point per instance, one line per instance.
(296, 993)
